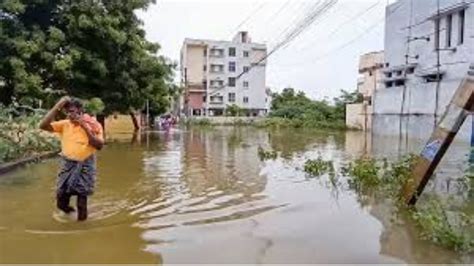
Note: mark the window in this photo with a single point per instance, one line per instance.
(231, 66)
(399, 73)
(246, 84)
(204, 68)
(449, 29)
(462, 20)
(388, 84)
(370, 73)
(231, 97)
(232, 51)
(205, 52)
(433, 77)
(410, 70)
(246, 53)
(204, 98)
(246, 69)
(399, 83)
(204, 84)
(231, 82)
(388, 74)
(436, 33)
(246, 99)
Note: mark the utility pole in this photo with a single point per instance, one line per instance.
(461, 105)
(148, 113)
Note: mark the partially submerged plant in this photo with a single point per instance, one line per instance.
(266, 155)
(363, 173)
(451, 229)
(320, 167)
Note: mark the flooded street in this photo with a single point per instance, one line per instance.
(204, 196)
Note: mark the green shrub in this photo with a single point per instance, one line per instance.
(20, 136)
(452, 229)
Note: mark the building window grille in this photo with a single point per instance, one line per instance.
(231, 66)
(436, 34)
(232, 51)
(231, 82)
(246, 99)
(449, 29)
(462, 22)
(231, 97)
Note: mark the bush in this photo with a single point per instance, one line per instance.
(451, 229)
(20, 136)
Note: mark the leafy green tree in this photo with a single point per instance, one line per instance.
(94, 106)
(86, 49)
(344, 99)
(303, 111)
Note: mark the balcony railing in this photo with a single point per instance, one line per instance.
(216, 53)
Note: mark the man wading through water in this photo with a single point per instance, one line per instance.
(81, 136)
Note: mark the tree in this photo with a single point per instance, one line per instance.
(87, 49)
(344, 99)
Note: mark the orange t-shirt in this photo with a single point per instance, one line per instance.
(74, 141)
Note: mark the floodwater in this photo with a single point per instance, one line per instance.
(203, 196)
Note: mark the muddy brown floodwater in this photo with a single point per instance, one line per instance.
(203, 196)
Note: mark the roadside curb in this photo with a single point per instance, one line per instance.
(8, 167)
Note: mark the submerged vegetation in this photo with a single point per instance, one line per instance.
(436, 220)
(266, 155)
(453, 229)
(319, 167)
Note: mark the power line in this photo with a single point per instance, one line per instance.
(338, 28)
(438, 63)
(343, 46)
(251, 14)
(301, 7)
(301, 26)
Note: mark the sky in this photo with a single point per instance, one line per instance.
(321, 61)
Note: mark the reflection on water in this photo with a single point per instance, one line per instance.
(204, 196)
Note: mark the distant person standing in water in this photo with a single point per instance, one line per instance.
(81, 136)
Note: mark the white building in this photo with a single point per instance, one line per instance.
(359, 115)
(218, 74)
(428, 50)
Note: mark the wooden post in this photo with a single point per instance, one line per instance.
(459, 108)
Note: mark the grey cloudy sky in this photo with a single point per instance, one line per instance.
(321, 61)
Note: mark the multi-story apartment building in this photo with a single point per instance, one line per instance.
(429, 46)
(219, 74)
(359, 115)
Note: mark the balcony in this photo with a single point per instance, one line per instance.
(216, 100)
(216, 84)
(218, 53)
(217, 69)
